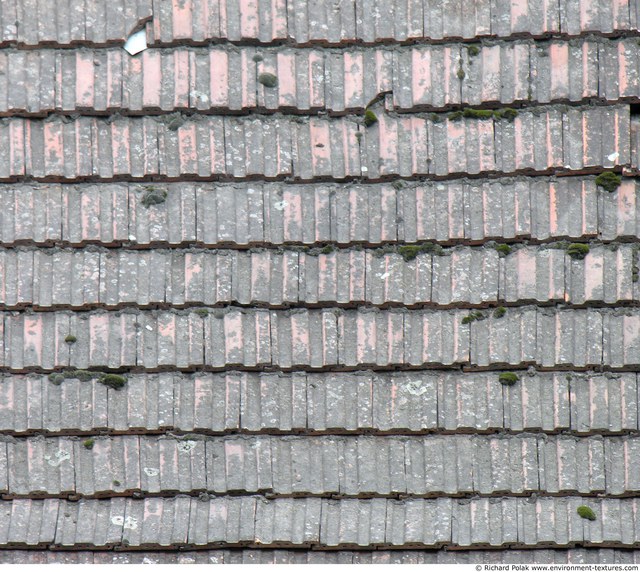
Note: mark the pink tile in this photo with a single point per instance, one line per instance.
(320, 147)
(53, 149)
(181, 79)
(152, 79)
(388, 145)
(421, 76)
(559, 54)
(85, 78)
(286, 79)
(187, 149)
(249, 26)
(181, 21)
(219, 70)
(353, 80)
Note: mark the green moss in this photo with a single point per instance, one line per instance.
(478, 113)
(499, 312)
(358, 136)
(503, 249)
(508, 378)
(410, 251)
(202, 312)
(473, 50)
(370, 118)
(578, 250)
(507, 113)
(461, 75)
(113, 381)
(56, 378)
(268, 79)
(88, 443)
(327, 249)
(116, 483)
(81, 374)
(154, 196)
(71, 339)
(455, 115)
(175, 123)
(586, 512)
(257, 58)
(608, 181)
(473, 317)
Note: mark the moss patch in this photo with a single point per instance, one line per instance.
(499, 312)
(113, 381)
(503, 249)
(71, 339)
(88, 443)
(461, 75)
(154, 196)
(410, 251)
(508, 378)
(56, 378)
(327, 249)
(473, 317)
(268, 79)
(578, 250)
(586, 512)
(81, 374)
(506, 113)
(202, 312)
(608, 181)
(473, 50)
(370, 118)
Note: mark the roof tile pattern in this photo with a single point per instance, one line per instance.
(319, 282)
(100, 81)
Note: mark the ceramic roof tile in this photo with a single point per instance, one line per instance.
(116, 153)
(408, 401)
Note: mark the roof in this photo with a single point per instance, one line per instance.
(320, 282)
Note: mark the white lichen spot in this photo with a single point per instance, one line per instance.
(416, 388)
(58, 458)
(151, 471)
(613, 156)
(186, 446)
(128, 522)
(149, 328)
(385, 275)
(281, 205)
(147, 560)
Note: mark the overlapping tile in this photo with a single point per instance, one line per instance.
(227, 147)
(272, 214)
(357, 466)
(238, 521)
(252, 402)
(222, 79)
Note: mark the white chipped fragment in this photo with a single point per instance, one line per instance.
(132, 237)
(147, 560)
(58, 458)
(385, 275)
(186, 446)
(363, 169)
(148, 327)
(117, 520)
(613, 156)
(280, 206)
(136, 43)
(151, 471)
(416, 388)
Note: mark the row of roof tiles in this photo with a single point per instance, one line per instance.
(275, 214)
(317, 339)
(315, 522)
(87, 279)
(549, 138)
(282, 556)
(345, 466)
(409, 402)
(44, 81)
(29, 22)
